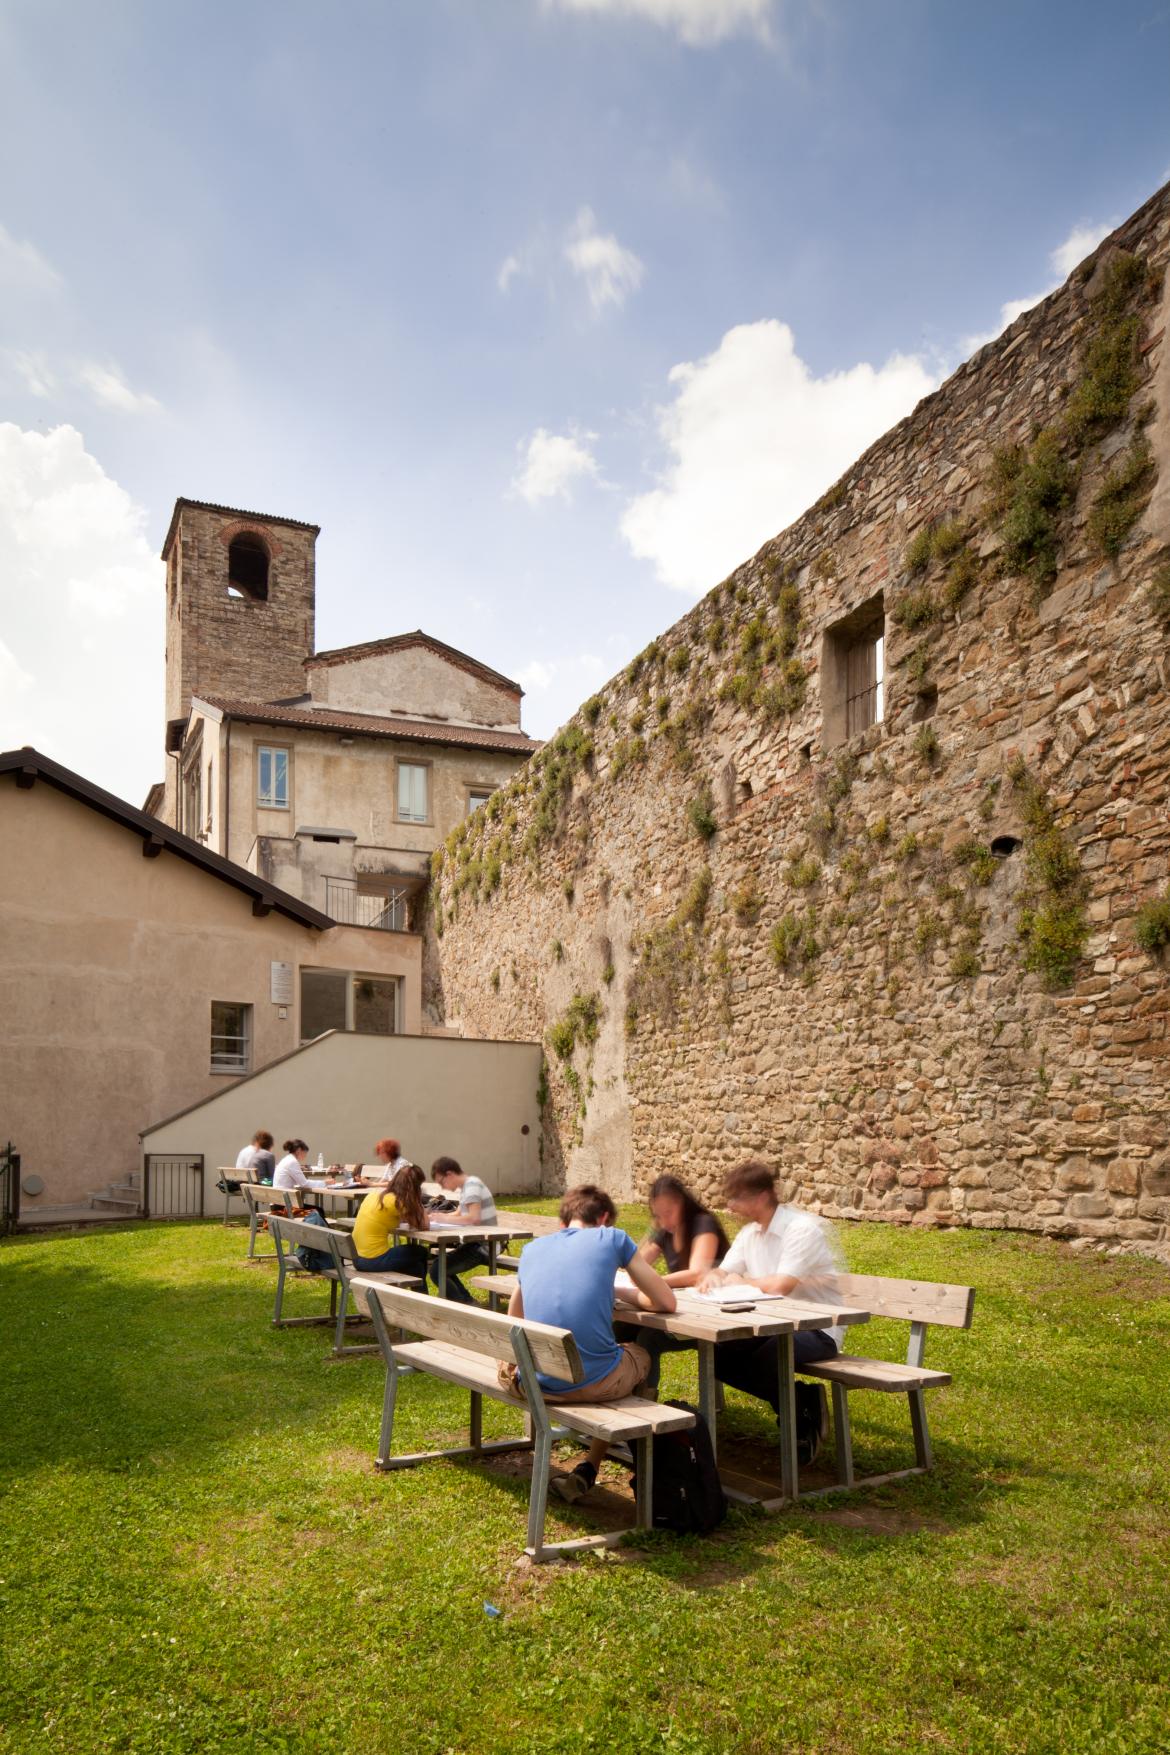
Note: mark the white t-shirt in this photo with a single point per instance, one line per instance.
(289, 1173)
(794, 1244)
(474, 1190)
(247, 1159)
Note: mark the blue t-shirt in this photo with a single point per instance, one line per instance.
(566, 1279)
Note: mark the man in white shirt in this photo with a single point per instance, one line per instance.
(779, 1249)
(476, 1207)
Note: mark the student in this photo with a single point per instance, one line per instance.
(476, 1207)
(567, 1279)
(687, 1233)
(290, 1172)
(259, 1157)
(780, 1249)
(390, 1161)
(379, 1216)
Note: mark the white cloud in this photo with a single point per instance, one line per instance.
(699, 23)
(108, 387)
(555, 687)
(754, 438)
(23, 266)
(509, 268)
(81, 673)
(610, 271)
(1080, 241)
(552, 463)
(33, 370)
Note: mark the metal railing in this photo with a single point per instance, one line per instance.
(172, 1186)
(9, 1190)
(349, 907)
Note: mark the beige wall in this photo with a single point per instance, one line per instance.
(414, 680)
(108, 966)
(469, 1100)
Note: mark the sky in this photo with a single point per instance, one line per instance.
(549, 312)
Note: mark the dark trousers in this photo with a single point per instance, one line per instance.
(459, 1261)
(754, 1366)
(404, 1258)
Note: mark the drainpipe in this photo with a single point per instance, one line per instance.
(227, 786)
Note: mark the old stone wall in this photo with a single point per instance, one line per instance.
(920, 966)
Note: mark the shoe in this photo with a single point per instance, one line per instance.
(574, 1486)
(808, 1448)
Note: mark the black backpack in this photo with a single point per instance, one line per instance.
(688, 1494)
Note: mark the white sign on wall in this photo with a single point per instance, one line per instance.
(281, 990)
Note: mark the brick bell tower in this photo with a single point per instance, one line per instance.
(241, 593)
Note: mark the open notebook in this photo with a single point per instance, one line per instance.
(721, 1295)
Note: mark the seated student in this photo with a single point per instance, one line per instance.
(476, 1207)
(780, 1249)
(567, 1279)
(259, 1157)
(290, 1175)
(290, 1172)
(379, 1216)
(390, 1161)
(693, 1241)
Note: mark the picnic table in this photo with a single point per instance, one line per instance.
(446, 1233)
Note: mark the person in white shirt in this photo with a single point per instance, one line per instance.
(258, 1157)
(390, 1161)
(476, 1207)
(780, 1249)
(290, 1172)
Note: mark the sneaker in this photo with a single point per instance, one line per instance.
(574, 1486)
(808, 1448)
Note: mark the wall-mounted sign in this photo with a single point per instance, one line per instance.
(281, 990)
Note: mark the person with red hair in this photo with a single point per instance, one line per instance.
(389, 1155)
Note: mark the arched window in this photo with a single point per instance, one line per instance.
(248, 568)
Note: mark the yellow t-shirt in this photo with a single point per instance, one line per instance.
(373, 1228)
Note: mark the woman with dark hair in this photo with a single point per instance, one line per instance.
(384, 1209)
(685, 1231)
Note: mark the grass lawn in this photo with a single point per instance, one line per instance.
(196, 1554)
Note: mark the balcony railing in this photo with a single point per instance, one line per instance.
(345, 904)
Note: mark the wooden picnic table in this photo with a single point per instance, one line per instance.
(446, 1233)
(707, 1324)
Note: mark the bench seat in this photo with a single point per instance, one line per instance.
(888, 1375)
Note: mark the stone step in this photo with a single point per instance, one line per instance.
(108, 1202)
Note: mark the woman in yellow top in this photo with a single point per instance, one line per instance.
(398, 1202)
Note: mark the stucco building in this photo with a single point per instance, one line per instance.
(331, 774)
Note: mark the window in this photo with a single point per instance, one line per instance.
(271, 778)
(248, 568)
(853, 682)
(476, 796)
(231, 1036)
(192, 795)
(339, 999)
(412, 792)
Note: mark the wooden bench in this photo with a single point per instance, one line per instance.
(289, 1234)
(463, 1344)
(540, 1224)
(919, 1303)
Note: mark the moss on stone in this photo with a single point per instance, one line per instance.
(1121, 498)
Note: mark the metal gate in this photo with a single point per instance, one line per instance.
(172, 1186)
(9, 1190)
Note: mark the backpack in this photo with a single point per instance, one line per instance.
(688, 1494)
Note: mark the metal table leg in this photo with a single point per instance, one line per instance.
(441, 1270)
(708, 1387)
(786, 1371)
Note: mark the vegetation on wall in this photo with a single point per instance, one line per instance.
(670, 956)
(1053, 924)
(1151, 927)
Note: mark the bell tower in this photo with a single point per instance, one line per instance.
(241, 589)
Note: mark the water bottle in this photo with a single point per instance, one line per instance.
(320, 1163)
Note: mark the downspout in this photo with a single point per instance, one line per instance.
(227, 786)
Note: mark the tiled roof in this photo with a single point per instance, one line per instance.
(471, 737)
(232, 512)
(30, 766)
(400, 642)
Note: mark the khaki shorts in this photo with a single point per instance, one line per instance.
(631, 1369)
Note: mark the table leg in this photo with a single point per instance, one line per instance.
(493, 1249)
(441, 1275)
(708, 1387)
(786, 1369)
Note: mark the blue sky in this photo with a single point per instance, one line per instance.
(548, 311)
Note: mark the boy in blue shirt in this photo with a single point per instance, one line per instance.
(567, 1279)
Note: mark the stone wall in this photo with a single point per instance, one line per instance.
(909, 966)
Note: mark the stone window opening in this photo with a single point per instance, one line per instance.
(248, 568)
(1003, 846)
(853, 673)
(743, 791)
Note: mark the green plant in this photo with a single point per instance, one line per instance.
(916, 609)
(579, 1022)
(918, 663)
(927, 933)
(795, 938)
(979, 860)
(746, 901)
(679, 661)
(701, 815)
(918, 551)
(495, 979)
(825, 565)
(716, 633)
(879, 830)
(802, 873)
(1121, 498)
(926, 745)
(627, 753)
(1151, 926)
(608, 973)
(1029, 490)
(568, 889)
(1159, 594)
(591, 711)
(1055, 934)
(637, 721)
(1109, 375)
(557, 951)
(965, 963)
(961, 575)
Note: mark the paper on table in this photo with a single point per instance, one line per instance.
(735, 1295)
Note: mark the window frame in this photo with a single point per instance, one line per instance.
(853, 683)
(351, 977)
(221, 1065)
(425, 767)
(478, 789)
(273, 749)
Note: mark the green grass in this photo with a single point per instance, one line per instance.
(196, 1555)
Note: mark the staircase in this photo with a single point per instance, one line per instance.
(120, 1200)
